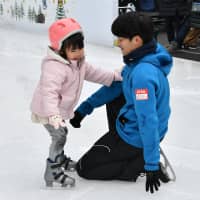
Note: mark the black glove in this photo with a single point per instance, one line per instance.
(76, 120)
(153, 179)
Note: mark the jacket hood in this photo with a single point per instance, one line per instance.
(52, 55)
(161, 59)
(152, 53)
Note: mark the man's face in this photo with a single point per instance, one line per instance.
(126, 45)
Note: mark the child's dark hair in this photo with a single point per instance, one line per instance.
(132, 23)
(75, 41)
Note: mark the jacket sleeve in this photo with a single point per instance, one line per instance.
(144, 84)
(102, 76)
(51, 81)
(102, 96)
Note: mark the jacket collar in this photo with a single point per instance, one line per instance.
(56, 56)
(137, 54)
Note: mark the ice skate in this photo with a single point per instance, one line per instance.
(55, 174)
(66, 162)
(166, 167)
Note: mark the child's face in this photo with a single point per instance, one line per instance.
(127, 46)
(74, 54)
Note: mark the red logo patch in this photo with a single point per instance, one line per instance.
(141, 94)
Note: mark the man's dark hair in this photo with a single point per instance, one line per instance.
(131, 24)
(75, 41)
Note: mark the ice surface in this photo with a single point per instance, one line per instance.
(24, 145)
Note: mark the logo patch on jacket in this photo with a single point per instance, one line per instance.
(141, 94)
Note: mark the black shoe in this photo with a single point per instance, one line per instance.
(173, 46)
(191, 47)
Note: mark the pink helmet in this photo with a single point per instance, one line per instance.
(61, 30)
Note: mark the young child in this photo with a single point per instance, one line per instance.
(62, 74)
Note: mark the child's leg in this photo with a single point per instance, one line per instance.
(58, 140)
(111, 158)
(56, 149)
(57, 161)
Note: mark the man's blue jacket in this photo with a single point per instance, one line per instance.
(146, 111)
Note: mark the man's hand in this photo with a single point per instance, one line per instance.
(153, 180)
(56, 121)
(76, 120)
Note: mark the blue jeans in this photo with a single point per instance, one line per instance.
(177, 28)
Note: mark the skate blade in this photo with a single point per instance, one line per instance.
(72, 169)
(57, 186)
(167, 167)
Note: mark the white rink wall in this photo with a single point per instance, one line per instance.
(94, 16)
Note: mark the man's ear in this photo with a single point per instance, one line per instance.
(137, 40)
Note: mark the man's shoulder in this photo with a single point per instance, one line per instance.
(144, 67)
(144, 71)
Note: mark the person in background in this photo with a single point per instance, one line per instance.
(63, 72)
(146, 5)
(141, 109)
(141, 5)
(126, 6)
(191, 40)
(176, 14)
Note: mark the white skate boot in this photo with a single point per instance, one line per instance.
(66, 162)
(55, 174)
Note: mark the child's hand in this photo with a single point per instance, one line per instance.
(56, 121)
(117, 74)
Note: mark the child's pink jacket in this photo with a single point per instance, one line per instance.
(61, 82)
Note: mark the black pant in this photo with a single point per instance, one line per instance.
(111, 158)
